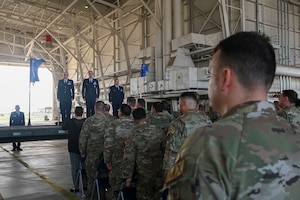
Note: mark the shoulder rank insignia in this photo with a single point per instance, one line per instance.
(171, 130)
(127, 140)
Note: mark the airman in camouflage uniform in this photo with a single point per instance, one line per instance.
(159, 118)
(91, 141)
(167, 109)
(131, 101)
(106, 112)
(287, 101)
(183, 126)
(143, 155)
(141, 103)
(114, 143)
(250, 153)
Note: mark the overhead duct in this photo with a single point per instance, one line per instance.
(181, 59)
(181, 72)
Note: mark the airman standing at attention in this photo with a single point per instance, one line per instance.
(91, 142)
(17, 118)
(90, 93)
(106, 112)
(250, 153)
(287, 102)
(131, 101)
(143, 156)
(182, 127)
(141, 103)
(167, 109)
(159, 118)
(116, 96)
(116, 134)
(65, 96)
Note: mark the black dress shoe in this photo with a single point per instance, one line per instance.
(14, 149)
(19, 149)
(73, 190)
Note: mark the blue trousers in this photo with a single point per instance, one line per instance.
(75, 167)
(116, 107)
(90, 104)
(65, 109)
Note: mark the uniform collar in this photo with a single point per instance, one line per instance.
(252, 106)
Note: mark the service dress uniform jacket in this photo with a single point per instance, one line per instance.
(65, 95)
(90, 92)
(116, 97)
(17, 118)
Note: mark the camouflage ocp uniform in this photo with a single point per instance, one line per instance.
(292, 114)
(213, 115)
(179, 129)
(110, 117)
(91, 141)
(143, 154)
(250, 153)
(114, 144)
(162, 120)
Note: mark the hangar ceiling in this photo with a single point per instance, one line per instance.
(27, 23)
(113, 37)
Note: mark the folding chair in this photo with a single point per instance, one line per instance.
(79, 180)
(96, 184)
(121, 194)
(100, 182)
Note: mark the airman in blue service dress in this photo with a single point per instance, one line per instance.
(65, 96)
(90, 92)
(17, 119)
(116, 97)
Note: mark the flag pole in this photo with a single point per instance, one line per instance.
(29, 121)
(33, 77)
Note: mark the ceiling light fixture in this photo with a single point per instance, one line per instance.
(86, 6)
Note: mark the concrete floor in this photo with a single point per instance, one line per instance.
(40, 171)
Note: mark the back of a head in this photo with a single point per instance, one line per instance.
(141, 103)
(131, 101)
(139, 114)
(291, 95)
(190, 97)
(106, 107)
(78, 111)
(125, 109)
(166, 105)
(158, 106)
(99, 106)
(252, 58)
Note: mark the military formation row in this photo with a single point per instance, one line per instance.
(251, 152)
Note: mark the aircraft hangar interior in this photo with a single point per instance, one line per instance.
(115, 38)
(156, 48)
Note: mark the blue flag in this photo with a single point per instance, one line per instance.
(144, 69)
(34, 66)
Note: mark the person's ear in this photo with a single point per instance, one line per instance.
(226, 78)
